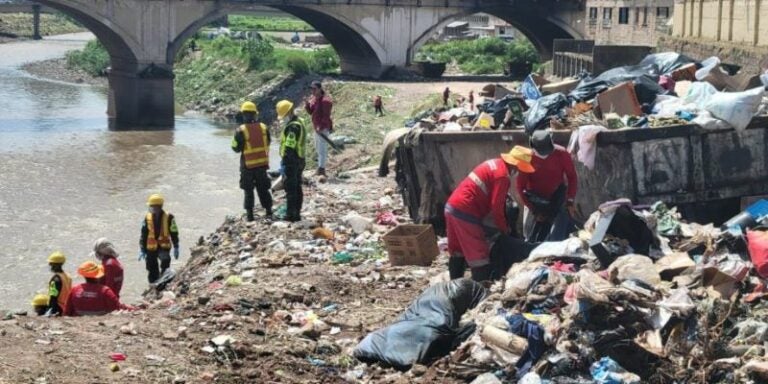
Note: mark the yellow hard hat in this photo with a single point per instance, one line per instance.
(249, 107)
(40, 300)
(155, 199)
(56, 258)
(283, 107)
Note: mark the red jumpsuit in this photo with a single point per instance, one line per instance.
(113, 274)
(89, 299)
(481, 193)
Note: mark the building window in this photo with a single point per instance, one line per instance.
(501, 31)
(662, 12)
(645, 16)
(638, 11)
(593, 13)
(607, 14)
(623, 15)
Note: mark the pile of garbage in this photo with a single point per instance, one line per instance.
(637, 296)
(501, 109)
(663, 89)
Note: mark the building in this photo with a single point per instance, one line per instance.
(735, 31)
(629, 22)
(477, 25)
(722, 20)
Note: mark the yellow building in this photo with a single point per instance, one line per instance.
(737, 21)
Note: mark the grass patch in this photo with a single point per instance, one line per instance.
(264, 23)
(20, 24)
(480, 56)
(92, 59)
(225, 70)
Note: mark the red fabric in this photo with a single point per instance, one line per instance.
(470, 199)
(91, 299)
(757, 243)
(113, 274)
(468, 240)
(321, 112)
(550, 173)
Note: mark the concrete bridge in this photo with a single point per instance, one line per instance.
(370, 36)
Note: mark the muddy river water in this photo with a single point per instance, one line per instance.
(65, 179)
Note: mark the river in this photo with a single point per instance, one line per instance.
(65, 179)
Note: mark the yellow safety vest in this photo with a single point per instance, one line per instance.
(291, 141)
(63, 295)
(256, 149)
(164, 240)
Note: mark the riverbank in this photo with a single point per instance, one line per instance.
(18, 26)
(286, 303)
(57, 69)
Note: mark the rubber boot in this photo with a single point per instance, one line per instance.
(456, 267)
(481, 274)
(268, 216)
(321, 172)
(249, 215)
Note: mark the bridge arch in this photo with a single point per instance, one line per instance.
(358, 55)
(540, 30)
(121, 47)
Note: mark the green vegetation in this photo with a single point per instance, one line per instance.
(20, 24)
(92, 59)
(353, 116)
(481, 56)
(227, 69)
(264, 23)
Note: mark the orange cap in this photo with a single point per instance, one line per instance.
(90, 270)
(520, 157)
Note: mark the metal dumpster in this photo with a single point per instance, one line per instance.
(705, 173)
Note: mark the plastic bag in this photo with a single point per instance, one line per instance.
(427, 330)
(736, 108)
(667, 62)
(608, 371)
(542, 109)
(572, 247)
(634, 267)
(645, 78)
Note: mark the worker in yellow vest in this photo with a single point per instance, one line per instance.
(159, 234)
(59, 286)
(293, 142)
(252, 142)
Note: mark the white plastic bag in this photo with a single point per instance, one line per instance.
(735, 108)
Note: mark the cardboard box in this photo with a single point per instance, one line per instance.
(621, 100)
(684, 73)
(411, 244)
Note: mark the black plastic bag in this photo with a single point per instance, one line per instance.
(667, 62)
(427, 330)
(645, 78)
(498, 108)
(542, 110)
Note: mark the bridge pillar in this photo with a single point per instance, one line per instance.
(141, 99)
(36, 22)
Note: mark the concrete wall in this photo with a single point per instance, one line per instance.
(752, 59)
(635, 32)
(736, 21)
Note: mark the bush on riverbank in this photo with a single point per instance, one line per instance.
(92, 59)
(264, 23)
(480, 56)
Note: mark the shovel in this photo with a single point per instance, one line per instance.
(330, 142)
